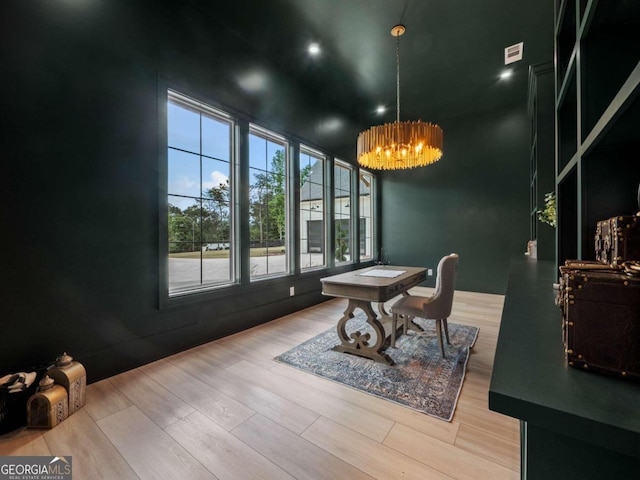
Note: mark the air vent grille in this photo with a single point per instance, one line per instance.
(513, 53)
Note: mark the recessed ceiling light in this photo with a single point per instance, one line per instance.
(314, 49)
(381, 109)
(506, 74)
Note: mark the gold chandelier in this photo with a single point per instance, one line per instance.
(399, 145)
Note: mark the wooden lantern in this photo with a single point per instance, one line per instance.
(73, 377)
(49, 406)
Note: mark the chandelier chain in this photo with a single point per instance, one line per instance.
(398, 78)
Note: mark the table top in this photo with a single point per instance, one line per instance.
(532, 382)
(357, 286)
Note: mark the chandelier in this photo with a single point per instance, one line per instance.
(399, 145)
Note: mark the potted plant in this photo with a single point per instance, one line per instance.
(548, 213)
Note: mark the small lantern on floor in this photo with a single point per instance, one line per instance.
(49, 406)
(73, 377)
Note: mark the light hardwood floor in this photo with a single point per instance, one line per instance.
(226, 410)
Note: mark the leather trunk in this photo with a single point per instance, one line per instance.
(617, 239)
(601, 319)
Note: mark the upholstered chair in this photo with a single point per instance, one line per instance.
(437, 307)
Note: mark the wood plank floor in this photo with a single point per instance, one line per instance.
(226, 410)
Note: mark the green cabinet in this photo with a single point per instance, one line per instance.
(574, 424)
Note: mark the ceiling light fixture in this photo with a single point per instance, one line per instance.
(399, 145)
(506, 74)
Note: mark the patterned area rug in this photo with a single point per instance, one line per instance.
(420, 379)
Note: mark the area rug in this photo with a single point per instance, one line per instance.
(420, 378)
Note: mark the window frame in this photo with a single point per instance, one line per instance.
(322, 204)
(337, 163)
(167, 295)
(372, 215)
(271, 136)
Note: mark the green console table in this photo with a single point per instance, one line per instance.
(573, 424)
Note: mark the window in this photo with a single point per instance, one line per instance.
(342, 217)
(199, 188)
(202, 204)
(313, 243)
(365, 221)
(268, 225)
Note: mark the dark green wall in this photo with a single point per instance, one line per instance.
(473, 202)
(79, 185)
(80, 178)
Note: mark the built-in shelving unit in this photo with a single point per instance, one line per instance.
(575, 424)
(541, 108)
(597, 65)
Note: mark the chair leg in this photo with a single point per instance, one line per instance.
(439, 333)
(394, 326)
(405, 325)
(446, 330)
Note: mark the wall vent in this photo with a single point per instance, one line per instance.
(513, 53)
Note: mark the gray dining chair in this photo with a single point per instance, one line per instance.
(437, 307)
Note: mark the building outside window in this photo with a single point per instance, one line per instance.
(313, 236)
(342, 216)
(268, 223)
(199, 187)
(365, 212)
